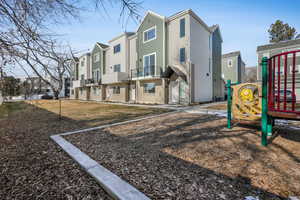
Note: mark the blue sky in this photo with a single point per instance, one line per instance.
(243, 23)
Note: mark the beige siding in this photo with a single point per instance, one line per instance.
(96, 93)
(122, 97)
(200, 55)
(83, 93)
(132, 53)
(159, 97)
(120, 57)
(175, 42)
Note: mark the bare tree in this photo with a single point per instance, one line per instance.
(25, 35)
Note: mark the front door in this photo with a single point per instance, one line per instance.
(174, 92)
(183, 92)
(132, 92)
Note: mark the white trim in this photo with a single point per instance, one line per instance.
(147, 31)
(149, 13)
(164, 44)
(154, 65)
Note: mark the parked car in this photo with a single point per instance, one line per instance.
(290, 96)
(46, 96)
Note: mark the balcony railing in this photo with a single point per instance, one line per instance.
(146, 72)
(114, 77)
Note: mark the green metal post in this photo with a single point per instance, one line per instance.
(270, 125)
(229, 103)
(264, 114)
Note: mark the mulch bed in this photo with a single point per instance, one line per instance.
(33, 166)
(188, 156)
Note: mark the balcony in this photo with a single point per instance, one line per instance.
(114, 77)
(145, 73)
(76, 84)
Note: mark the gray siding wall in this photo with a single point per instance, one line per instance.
(218, 89)
(96, 65)
(230, 73)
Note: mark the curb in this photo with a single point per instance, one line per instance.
(111, 183)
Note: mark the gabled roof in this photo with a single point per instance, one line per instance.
(231, 54)
(150, 13)
(279, 45)
(76, 59)
(127, 34)
(191, 12)
(103, 46)
(214, 28)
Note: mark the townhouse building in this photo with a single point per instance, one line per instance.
(233, 67)
(174, 59)
(270, 50)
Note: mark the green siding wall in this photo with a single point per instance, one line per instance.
(156, 45)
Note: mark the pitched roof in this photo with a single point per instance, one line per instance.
(214, 28)
(231, 54)
(102, 45)
(191, 12)
(279, 45)
(127, 34)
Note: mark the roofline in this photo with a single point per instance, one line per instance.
(269, 46)
(193, 14)
(97, 43)
(218, 28)
(233, 52)
(121, 35)
(132, 36)
(149, 12)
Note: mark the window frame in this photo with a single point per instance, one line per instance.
(96, 57)
(116, 90)
(148, 30)
(182, 34)
(149, 91)
(180, 55)
(155, 61)
(231, 65)
(114, 67)
(115, 47)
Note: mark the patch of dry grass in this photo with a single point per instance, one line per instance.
(93, 113)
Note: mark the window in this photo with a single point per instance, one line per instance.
(104, 62)
(95, 90)
(82, 63)
(116, 90)
(149, 64)
(149, 87)
(81, 91)
(82, 76)
(182, 55)
(72, 92)
(96, 57)
(98, 75)
(117, 48)
(229, 63)
(150, 34)
(182, 27)
(117, 68)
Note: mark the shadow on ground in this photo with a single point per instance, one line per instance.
(187, 156)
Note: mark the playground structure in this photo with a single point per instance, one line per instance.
(273, 98)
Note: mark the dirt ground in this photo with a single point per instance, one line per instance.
(222, 106)
(33, 166)
(189, 156)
